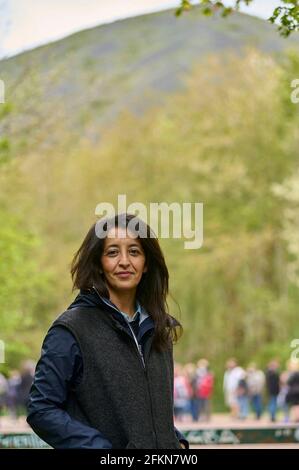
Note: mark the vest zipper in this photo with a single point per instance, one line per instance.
(145, 373)
(138, 346)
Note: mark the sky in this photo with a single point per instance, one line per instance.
(25, 24)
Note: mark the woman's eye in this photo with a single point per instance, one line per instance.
(133, 252)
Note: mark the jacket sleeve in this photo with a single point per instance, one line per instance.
(181, 438)
(57, 371)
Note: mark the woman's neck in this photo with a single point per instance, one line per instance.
(125, 301)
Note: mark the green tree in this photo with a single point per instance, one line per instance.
(23, 288)
(286, 14)
(225, 139)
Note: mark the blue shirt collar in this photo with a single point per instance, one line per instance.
(139, 310)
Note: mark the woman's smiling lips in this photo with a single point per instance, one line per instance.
(124, 274)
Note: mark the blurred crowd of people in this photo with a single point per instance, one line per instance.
(245, 390)
(193, 390)
(14, 390)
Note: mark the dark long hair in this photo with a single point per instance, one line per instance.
(152, 289)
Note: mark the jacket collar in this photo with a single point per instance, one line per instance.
(90, 298)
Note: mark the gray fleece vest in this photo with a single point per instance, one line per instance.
(131, 405)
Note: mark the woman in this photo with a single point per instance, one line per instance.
(105, 376)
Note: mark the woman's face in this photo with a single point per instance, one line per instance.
(123, 260)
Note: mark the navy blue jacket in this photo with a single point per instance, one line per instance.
(58, 371)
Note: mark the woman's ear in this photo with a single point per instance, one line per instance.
(145, 269)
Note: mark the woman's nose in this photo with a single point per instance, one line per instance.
(124, 260)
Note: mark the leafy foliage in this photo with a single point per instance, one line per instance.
(23, 288)
(226, 138)
(214, 143)
(286, 14)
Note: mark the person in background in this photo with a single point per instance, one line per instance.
(273, 387)
(26, 380)
(292, 397)
(232, 376)
(256, 384)
(3, 393)
(283, 391)
(14, 382)
(182, 393)
(193, 405)
(243, 397)
(205, 385)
